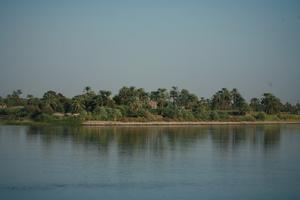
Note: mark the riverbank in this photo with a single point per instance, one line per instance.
(136, 123)
(29, 122)
(191, 123)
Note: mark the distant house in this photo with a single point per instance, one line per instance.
(3, 105)
(72, 114)
(153, 104)
(57, 114)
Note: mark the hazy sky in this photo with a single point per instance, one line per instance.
(199, 45)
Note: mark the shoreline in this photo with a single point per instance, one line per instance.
(191, 123)
(95, 123)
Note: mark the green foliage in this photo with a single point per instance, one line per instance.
(106, 113)
(248, 118)
(114, 114)
(255, 105)
(223, 116)
(4, 111)
(134, 104)
(222, 100)
(44, 117)
(213, 115)
(270, 103)
(180, 113)
(100, 113)
(272, 118)
(152, 117)
(14, 99)
(260, 116)
(286, 116)
(203, 116)
(186, 115)
(169, 112)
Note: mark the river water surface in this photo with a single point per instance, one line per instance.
(182, 162)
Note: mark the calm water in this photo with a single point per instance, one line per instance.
(210, 162)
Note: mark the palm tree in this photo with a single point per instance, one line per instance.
(174, 93)
(237, 100)
(255, 104)
(270, 103)
(87, 89)
(77, 105)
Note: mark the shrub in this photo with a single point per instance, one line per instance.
(152, 117)
(214, 115)
(285, 116)
(169, 112)
(113, 114)
(4, 111)
(43, 117)
(272, 117)
(202, 116)
(187, 115)
(260, 116)
(223, 115)
(100, 113)
(247, 118)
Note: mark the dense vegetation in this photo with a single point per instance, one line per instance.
(135, 104)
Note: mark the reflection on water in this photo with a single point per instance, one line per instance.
(155, 162)
(158, 138)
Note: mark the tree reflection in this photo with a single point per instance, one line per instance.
(158, 139)
(229, 138)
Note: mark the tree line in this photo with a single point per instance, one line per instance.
(132, 103)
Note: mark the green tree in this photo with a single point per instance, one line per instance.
(78, 104)
(161, 96)
(51, 102)
(100, 113)
(174, 94)
(271, 104)
(237, 100)
(135, 100)
(14, 99)
(187, 99)
(87, 89)
(222, 100)
(255, 104)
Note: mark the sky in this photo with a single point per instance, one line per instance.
(200, 45)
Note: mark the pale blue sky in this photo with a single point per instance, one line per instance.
(199, 45)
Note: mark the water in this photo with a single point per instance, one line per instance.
(208, 162)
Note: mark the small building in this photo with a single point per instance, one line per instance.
(153, 104)
(72, 114)
(57, 114)
(3, 106)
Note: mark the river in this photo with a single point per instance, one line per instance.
(179, 162)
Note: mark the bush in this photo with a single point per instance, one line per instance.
(223, 115)
(113, 114)
(22, 113)
(152, 117)
(260, 116)
(285, 116)
(248, 118)
(100, 113)
(214, 115)
(272, 118)
(123, 109)
(4, 111)
(169, 112)
(105, 113)
(202, 116)
(186, 114)
(43, 117)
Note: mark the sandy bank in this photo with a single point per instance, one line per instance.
(119, 123)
